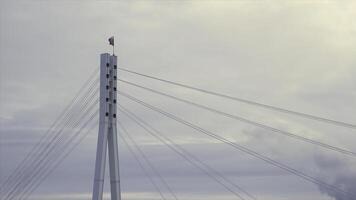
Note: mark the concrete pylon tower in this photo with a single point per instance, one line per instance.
(107, 137)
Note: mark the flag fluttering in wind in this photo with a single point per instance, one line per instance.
(111, 40)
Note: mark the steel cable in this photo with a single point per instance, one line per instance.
(53, 155)
(47, 154)
(144, 170)
(153, 168)
(244, 120)
(246, 101)
(50, 170)
(243, 149)
(185, 154)
(69, 121)
(29, 155)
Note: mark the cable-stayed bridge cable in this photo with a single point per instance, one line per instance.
(23, 163)
(244, 120)
(48, 155)
(57, 158)
(346, 194)
(41, 164)
(53, 155)
(266, 106)
(50, 169)
(143, 155)
(69, 121)
(39, 151)
(209, 171)
(144, 170)
(29, 158)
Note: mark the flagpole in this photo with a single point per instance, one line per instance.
(112, 42)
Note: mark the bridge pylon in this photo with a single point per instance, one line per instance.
(107, 136)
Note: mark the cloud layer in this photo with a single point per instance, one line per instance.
(296, 55)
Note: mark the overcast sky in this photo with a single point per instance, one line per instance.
(299, 55)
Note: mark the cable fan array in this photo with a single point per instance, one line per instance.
(74, 123)
(80, 116)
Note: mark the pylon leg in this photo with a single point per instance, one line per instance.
(102, 145)
(114, 164)
(100, 163)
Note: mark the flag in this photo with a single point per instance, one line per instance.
(111, 41)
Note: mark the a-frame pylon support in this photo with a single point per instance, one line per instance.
(107, 137)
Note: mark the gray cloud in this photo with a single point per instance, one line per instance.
(338, 172)
(297, 55)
